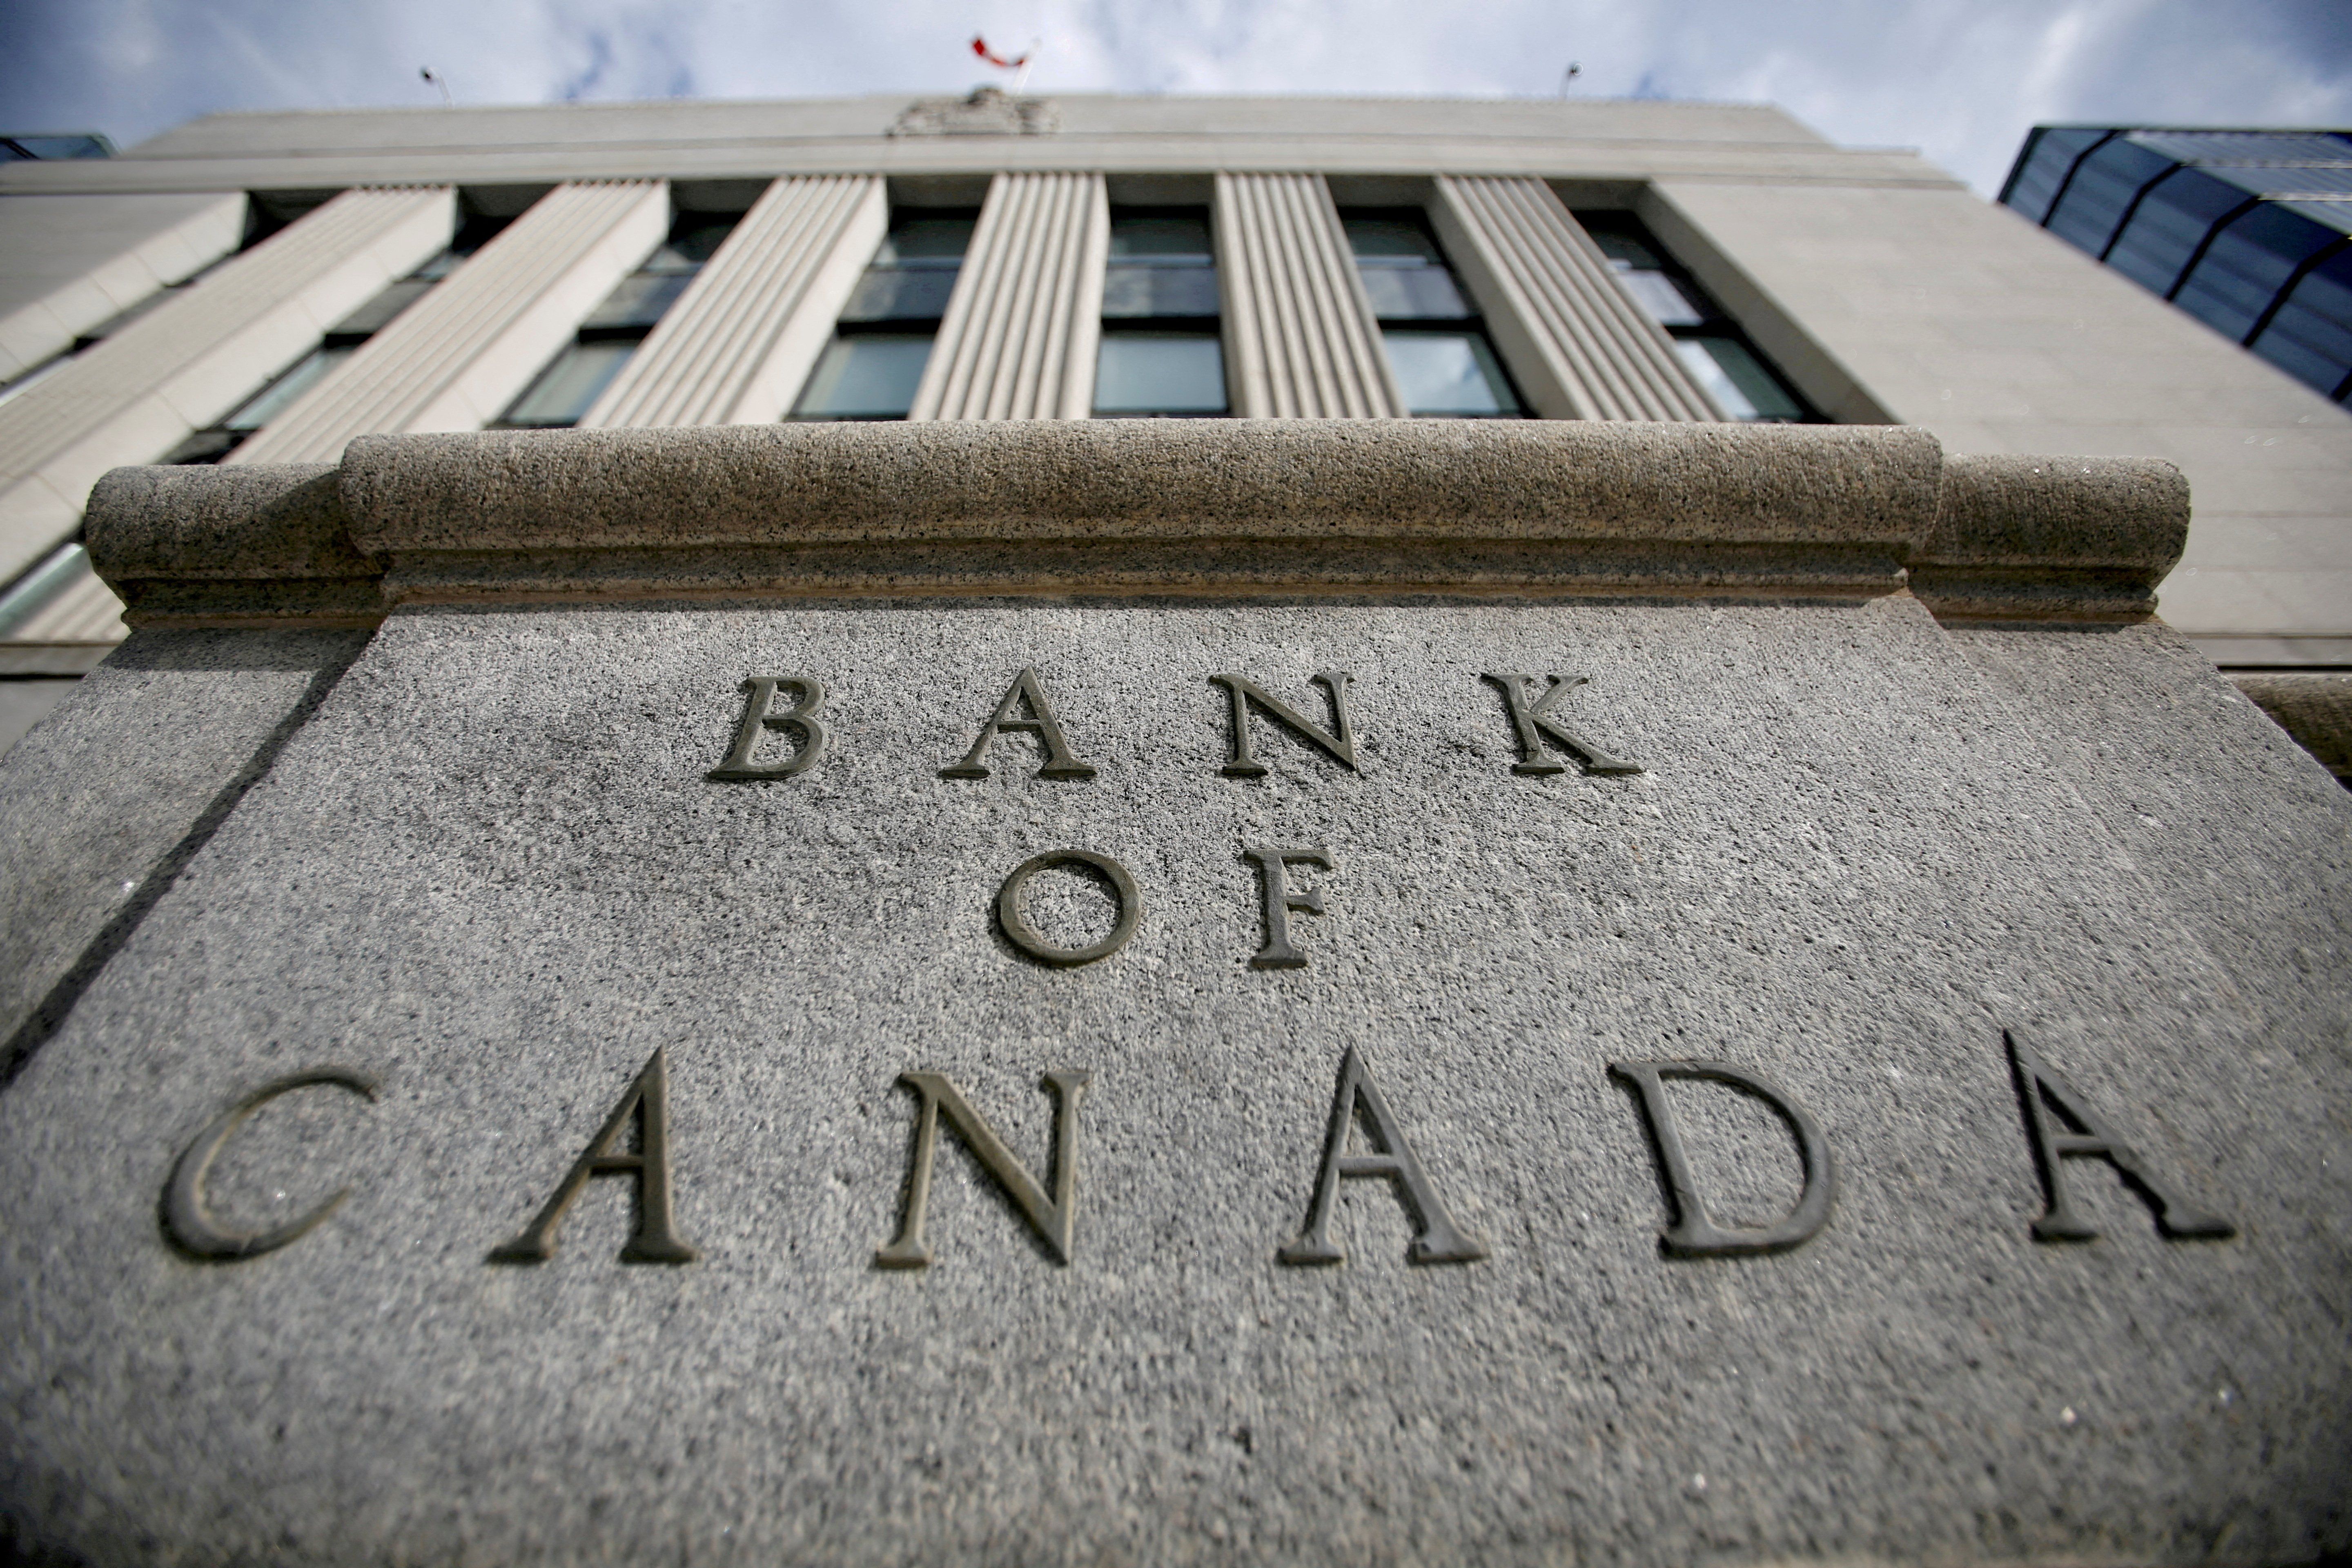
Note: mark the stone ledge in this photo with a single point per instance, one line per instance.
(1130, 507)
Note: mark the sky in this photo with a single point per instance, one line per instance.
(1962, 80)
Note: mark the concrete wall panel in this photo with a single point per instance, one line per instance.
(68, 263)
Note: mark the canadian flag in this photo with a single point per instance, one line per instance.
(980, 47)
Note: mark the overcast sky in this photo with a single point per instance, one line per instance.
(1960, 79)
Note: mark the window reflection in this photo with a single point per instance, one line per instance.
(1160, 355)
(1712, 346)
(882, 339)
(1445, 366)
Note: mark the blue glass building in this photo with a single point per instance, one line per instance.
(2249, 231)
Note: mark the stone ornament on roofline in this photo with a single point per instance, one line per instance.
(988, 111)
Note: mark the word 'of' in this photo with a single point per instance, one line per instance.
(2059, 1122)
(1025, 711)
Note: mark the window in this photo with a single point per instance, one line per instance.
(84, 145)
(2049, 155)
(1160, 355)
(577, 376)
(1711, 345)
(1445, 363)
(342, 340)
(883, 339)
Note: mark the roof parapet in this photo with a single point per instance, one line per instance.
(1189, 508)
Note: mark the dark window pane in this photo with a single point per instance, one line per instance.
(377, 313)
(1738, 379)
(273, 399)
(872, 375)
(566, 388)
(1160, 372)
(1135, 236)
(901, 294)
(65, 146)
(206, 447)
(2169, 225)
(2311, 336)
(693, 240)
(2055, 151)
(474, 233)
(1444, 373)
(2247, 264)
(637, 302)
(1662, 299)
(916, 236)
(1399, 239)
(1412, 293)
(2087, 216)
(1624, 252)
(1132, 290)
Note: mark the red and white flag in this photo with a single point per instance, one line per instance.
(980, 47)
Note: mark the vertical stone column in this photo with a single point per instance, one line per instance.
(454, 359)
(1576, 342)
(193, 359)
(1298, 329)
(1022, 327)
(747, 331)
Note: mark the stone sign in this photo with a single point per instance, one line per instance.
(1141, 993)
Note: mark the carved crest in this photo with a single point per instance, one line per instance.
(987, 111)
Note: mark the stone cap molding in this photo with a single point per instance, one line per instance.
(1218, 507)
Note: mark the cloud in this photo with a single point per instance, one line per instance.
(1961, 79)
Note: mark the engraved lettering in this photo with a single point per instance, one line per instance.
(759, 715)
(654, 1240)
(1027, 689)
(1533, 721)
(188, 1218)
(1281, 899)
(2081, 1135)
(1692, 1235)
(1029, 939)
(1054, 1219)
(1436, 1240)
(1242, 691)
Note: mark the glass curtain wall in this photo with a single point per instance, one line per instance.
(1735, 373)
(343, 340)
(1161, 356)
(1445, 363)
(2249, 231)
(883, 339)
(578, 375)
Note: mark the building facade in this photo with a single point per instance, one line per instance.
(2245, 230)
(749, 894)
(264, 287)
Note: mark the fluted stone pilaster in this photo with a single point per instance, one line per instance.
(193, 359)
(454, 359)
(1022, 327)
(745, 334)
(1577, 343)
(1298, 329)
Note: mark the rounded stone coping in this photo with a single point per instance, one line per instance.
(1982, 531)
(2031, 510)
(194, 521)
(1141, 479)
